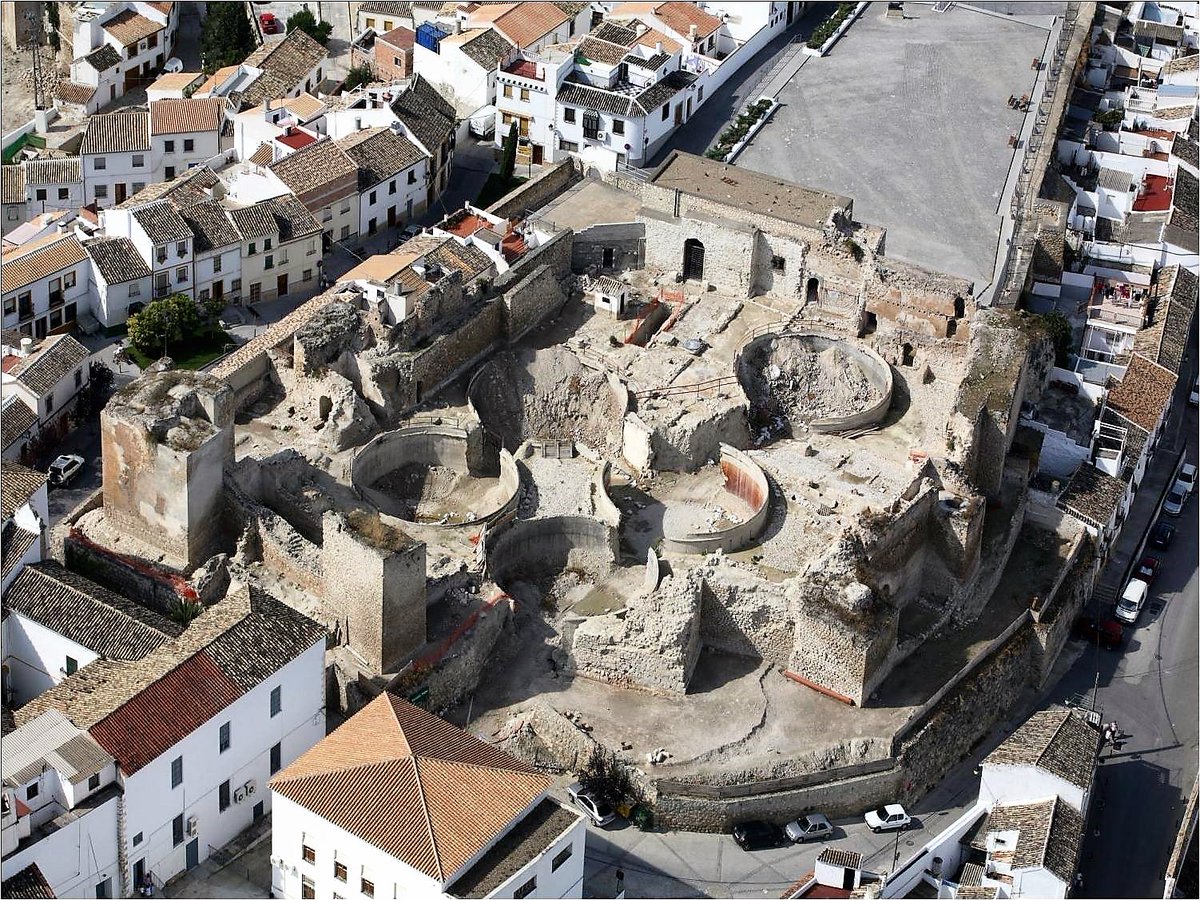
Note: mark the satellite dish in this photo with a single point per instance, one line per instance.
(174, 64)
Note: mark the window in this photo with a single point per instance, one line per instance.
(307, 276)
(135, 290)
(778, 263)
(223, 738)
(236, 284)
(266, 243)
(169, 173)
(339, 870)
(397, 61)
(100, 164)
(94, 781)
(569, 114)
(387, 25)
(181, 248)
(176, 771)
(370, 22)
(561, 857)
(50, 399)
(392, 186)
(371, 199)
(223, 796)
(32, 791)
(508, 91)
(216, 263)
(312, 248)
(276, 700)
(253, 249)
(10, 305)
(591, 125)
(137, 839)
(204, 294)
(345, 232)
(102, 192)
(609, 257)
(69, 280)
(40, 194)
(412, 176)
(188, 145)
(255, 291)
(308, 890)
(276, 758)
(525, 94)
(169, 146)
(618, 126)
(308, 854)
(25, 302)
(104, 888)
(139, 161)
(666, 111)
(181, 275)
(368, 888)
(371, 226)
(138, 185)
(72, 663)
(177, 830)
(346, 208)
(78, 384)
(700, 94)
(160, 254)
(270, 261)
(526, 889)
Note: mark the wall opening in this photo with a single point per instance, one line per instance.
(693, 259)
(812, 293)
(906, 358)
(324, 408)
(610, 257)
(869, 324)
(960, 307)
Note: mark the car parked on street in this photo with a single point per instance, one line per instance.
(1129, 607)
(1162, 535)
(813, 827)
(592, 806)
(757, 835)
(1173, 504)
(270, 24)
(1109, 633)
(64, 469)
(888, 818)
(1186, 479)
(1147, 569)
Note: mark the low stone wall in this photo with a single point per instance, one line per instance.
(606, 511)
(457, 674)
(535, 194)
(745, 480)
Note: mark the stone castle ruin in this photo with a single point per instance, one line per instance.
(748, 504)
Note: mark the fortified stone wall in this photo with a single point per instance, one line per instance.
(535, 194)
(728, 247)
(550, 545)
(535, 297)
(744, 614)
(626, 240)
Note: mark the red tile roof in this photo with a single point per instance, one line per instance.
(166, 712)
(1155, 196)
(296, 139)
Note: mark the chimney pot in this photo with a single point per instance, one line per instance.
(692, 33)
(658, 46)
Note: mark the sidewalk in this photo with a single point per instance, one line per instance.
(242, 868)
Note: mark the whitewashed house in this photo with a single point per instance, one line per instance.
(46, 376)
(397, 802)
(280, 243)
(55, 183)
(162, 238)
(463, 67)
(121, 279)
(325, 179)
(184, 134)
(45, 285)
(393, 174)
(117, 158)
(24, 518)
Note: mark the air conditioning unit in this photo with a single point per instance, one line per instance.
(601, 135)
(239, 795)
(249, 787)
(193, 826)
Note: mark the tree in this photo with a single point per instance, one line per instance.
(1058, 328)
(163, 322)
(226, 36)
(307, 22)
(508, 162)
(52, 15)
(363, 73)
(94, 395)
(609, 780)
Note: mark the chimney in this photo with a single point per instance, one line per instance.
(358, 123)
(266, 111)
(692, 34)
(658, 46)
(26, 346)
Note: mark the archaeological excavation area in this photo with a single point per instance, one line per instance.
(698, 477)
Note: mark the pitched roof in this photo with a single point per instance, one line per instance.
(379, 154)
(116, 259)
(129, 27)
(615, 33)
(387, 7)
(381, 268)
(12, 184)
(1092, 496)
(210, 225)
(1144, 393)
(14, 542)
(1049, 835)
(305, 106)
(87, 613)
(413, 785)
(263, 155)
(524, 23)
(428, 115)
(17, 484)
(39, 259)
(16, 418)
(1164, 339)
(577, 94)
(190, 187)
(103, 57)
(1185, 213)
(28, 884)
(162, 223)
(73, 92)
(595, 49)
(285, 216)
(663, 90)
(181, 116)
(1055, 740)
(285, 65)
(52, 739)
(57, 170)
(116, 133)
(314, 166)
(487, 48)
(680, 17)
(175, 81)
(49, 364)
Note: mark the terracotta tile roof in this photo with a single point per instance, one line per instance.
(28, 884)
(87, 613)
(615, 33)
(525, 23)
(177, 116)
(380, 154)
(304, 106)
(190, 187)
(401, 38)
(285, 216)
(116, 133)
(1092, 496)
(60, 170)
(16, 418)
(39, 259)
(1055, 740)
(387, 7)
(175, 81)
(595, 50)
(14, 542)
(572, 8)
(314, 166)
(652, 36)
(487, 48)
(73, 92)
(680, 17)
(1164, 339)
(1049, 835)
(469, 260)
(57, 356)
(103, 57)
(1144, 394)
(263, 156)
(413, 785)
(12, 184)
(215, 79)
(162, 223)
(210, 226)
(17, 484)
(129, 27)
(116, 259)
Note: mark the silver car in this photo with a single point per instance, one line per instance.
(1173, 505)
(593, 807)
(813, 827)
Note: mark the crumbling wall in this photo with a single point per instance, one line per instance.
(910, 299)
(626, 241)
(652, 644)
(457, 674)
(445, 301)
(779, 265)
(532, 547)
(537, 193)
(428, 370)
(744, 614)
(690, 439)
(728, 248)
(529, 301)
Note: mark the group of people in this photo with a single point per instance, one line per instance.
(146, 888)
(1112, 731)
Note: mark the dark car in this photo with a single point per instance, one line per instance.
(1108, 632)
(1162, 535)
(1147, 569)
(757, 835)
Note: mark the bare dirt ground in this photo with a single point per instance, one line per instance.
(17, 79)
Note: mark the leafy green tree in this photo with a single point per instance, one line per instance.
(164, 322)
(363, 73)
(1058, 327)
(226, 37)
(52, 16)
(94, 395)
(508, 162)
(307, 22)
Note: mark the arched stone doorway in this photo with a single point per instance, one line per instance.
(812, 292)
(693, 259)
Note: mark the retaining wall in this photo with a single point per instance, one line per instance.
(533, 195)
(745, 480)
(550, 545)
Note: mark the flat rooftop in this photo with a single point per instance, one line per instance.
(747, 189)
(591, 202)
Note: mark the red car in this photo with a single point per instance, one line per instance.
(1109, 632)
(1147, 569)
(270, 24)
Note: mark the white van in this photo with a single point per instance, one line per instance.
(1129, 607)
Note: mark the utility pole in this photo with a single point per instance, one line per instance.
(34, 18)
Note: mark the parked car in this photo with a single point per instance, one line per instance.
(270, 24)
(1108, 632)
(757, 835)
(64, 469)
(1147, 569)
(888, 818)
(813, 827)
(1186, 479)
(593, 807)
(1194, 396)
(1162, 535)
(1129, 607)
(1176, 498)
